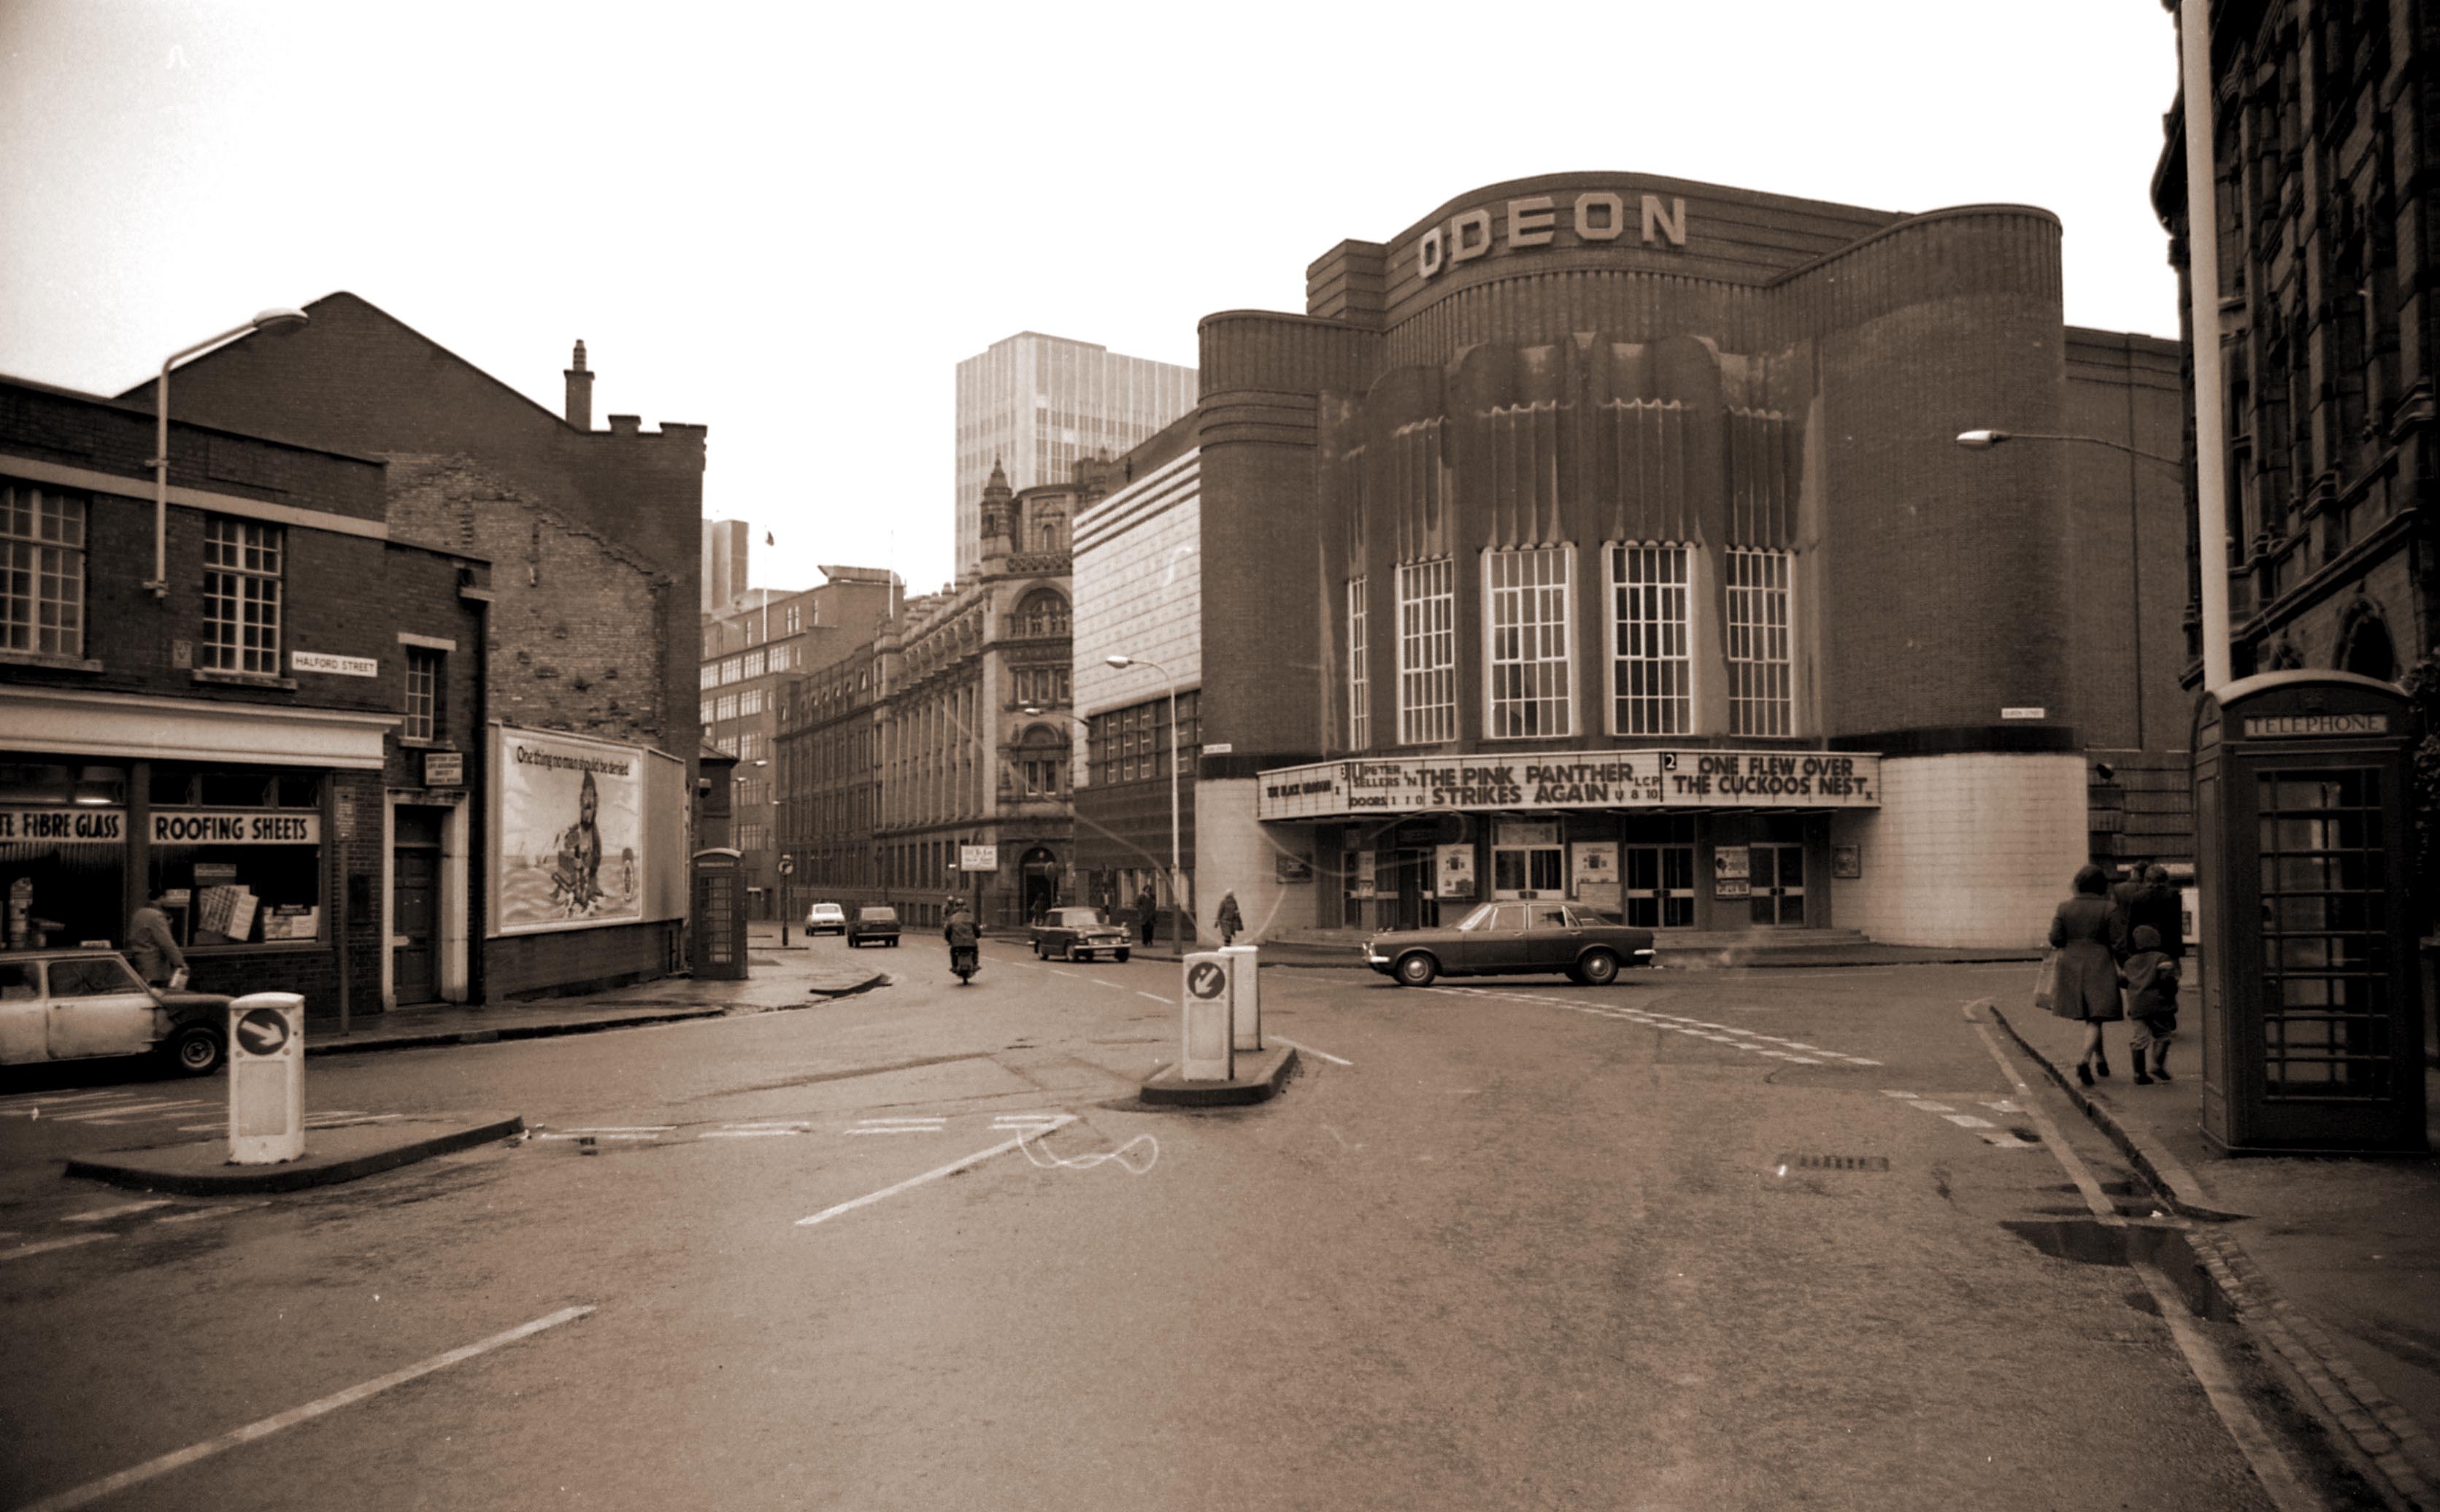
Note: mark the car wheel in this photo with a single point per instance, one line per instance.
(1415, 969)
(1120, 958)
(195, 1051)
(1597, 968)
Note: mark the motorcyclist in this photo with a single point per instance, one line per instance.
(960, 932)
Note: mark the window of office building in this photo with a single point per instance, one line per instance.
(794, 616)
(1532, 693)
(725, 706)
(1359, 686)
(241, 575)
(1127, 745)
(1652, 678)
(41, 577)
(423, 695)
(749, 745)
(728, 668)
(749, 701)
(1426, 651)
(755, 663)
(1761, 698)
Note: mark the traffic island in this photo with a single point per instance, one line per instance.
(1259, 1075)
(202, 1168)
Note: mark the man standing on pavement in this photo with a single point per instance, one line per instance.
(152, 946)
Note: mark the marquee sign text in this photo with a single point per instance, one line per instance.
(1597, 779)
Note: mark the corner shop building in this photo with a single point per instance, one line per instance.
(1605, 536)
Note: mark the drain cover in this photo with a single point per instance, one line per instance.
(1834, 1163)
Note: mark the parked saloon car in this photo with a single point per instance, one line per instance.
(873, 924)
(82, 1004)
(826, 918)
(1506, 938)
(1078, 934)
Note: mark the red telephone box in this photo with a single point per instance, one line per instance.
(2311, 1015)
(719, 922)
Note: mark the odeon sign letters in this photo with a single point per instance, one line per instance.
(1576, 779)
(1533, 220)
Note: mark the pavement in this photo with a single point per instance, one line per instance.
(1349, 955)
(778, 979)
(2332, 1263)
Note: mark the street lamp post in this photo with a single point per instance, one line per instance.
(1178, 925)
(2213, 542)
(277, 322)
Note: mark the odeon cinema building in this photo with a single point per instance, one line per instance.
(1608, 536)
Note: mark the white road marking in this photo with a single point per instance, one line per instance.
(1906, 1097)
(1154, 996)
(1055, 971)
(1334, 1061)
(2286, 1488)
(121, 1211)
(645, 1137)
(622, 1129)
(207, 1212)
(44, 1246)
(1968, 1121)
(88, 1115)
(933, 1175)
(150, 1469)
(58, 1100)
(1935, 1106)
(1098, 982)
(762, 1133)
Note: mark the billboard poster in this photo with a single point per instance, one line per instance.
(571, 832)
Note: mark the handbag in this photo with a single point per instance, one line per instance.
(2046, 981)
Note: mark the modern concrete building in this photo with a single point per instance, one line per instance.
(1034, 406)
(727, 548)
(1605, 536)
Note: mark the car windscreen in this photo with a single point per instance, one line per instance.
(877, 916)
(1078, 917)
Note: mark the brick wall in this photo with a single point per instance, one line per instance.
(1972, 850)
(573, 642)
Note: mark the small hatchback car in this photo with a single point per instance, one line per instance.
(826, 918)
(84, 1005)
(874, 925)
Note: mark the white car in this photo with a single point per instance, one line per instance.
(79, 1004)
(826, 918)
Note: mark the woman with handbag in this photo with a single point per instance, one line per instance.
(2083, 976)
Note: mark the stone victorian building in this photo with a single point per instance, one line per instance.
(939, 763)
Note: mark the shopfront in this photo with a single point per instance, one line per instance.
(1664, 840)
(228, 815)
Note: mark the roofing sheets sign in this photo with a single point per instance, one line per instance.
(1582, 779)
(571, 832)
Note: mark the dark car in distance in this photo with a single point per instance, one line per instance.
(872, 924)
(1509, 938)
(1078, 934)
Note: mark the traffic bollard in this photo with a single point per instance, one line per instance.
(1208, 1052)
(266, 1055)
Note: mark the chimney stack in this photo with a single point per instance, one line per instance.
(580, 393)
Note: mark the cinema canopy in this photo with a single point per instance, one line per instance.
(1603, 536)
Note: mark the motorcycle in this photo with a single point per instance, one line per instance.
(965, 960)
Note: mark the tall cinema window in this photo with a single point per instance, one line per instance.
(1426, 651)
(1359, 686)
(1760, 687)
(1652, 676)
(1532, 691)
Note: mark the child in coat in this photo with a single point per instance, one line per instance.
(2151, 979)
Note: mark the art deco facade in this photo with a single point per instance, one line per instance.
(1605, 536)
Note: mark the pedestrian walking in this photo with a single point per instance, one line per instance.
(1146, 903)
(2086, 968)
(2157, 904)
(1229, 921)
(151, 945)
(2151, 978)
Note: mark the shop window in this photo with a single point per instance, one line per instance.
(41, 571)
(1426, 651)
(1532, 686)
(423, 685)
(1359, 686)
(62, 848)
(242, 599)
(1651, 639)
(1760, 682)
(237, 854)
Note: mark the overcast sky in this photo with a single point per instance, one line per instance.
(790, 222)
